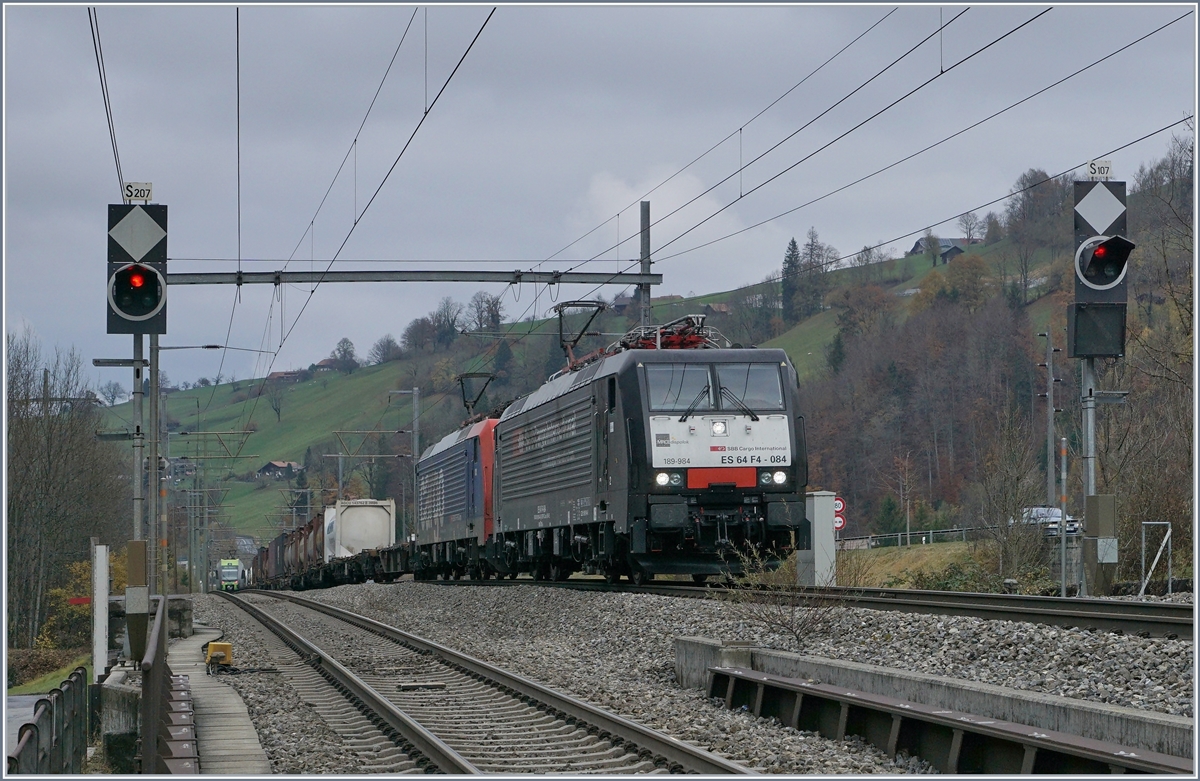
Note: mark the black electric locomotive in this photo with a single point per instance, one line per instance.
(661, 458)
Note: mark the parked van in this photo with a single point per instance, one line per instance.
(1049, 518)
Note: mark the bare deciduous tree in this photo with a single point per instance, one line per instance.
(111, 391)
(64, 486)
(1009, 482)
(274, 393)
(484, 311)
(970, 224)
(446, 319)
(1024, 252)
(384, 350)
(344, 355)
(419, 334)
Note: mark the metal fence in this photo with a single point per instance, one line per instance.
(55, 742)
(927, 536)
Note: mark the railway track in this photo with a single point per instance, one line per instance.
(1161, 619)
(449, 712)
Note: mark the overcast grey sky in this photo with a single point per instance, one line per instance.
(559, 120)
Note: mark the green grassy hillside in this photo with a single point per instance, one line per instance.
(205, 423)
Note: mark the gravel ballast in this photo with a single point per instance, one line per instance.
(294, 737)
(617, 651)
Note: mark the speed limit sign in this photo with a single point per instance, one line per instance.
(839, 522)
(839, 504)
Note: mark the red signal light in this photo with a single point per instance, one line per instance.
(1100, 251)
(136, 280)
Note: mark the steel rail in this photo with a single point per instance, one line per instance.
(1168, 613)
(1113, 615)
(672, 749)
(423, 741)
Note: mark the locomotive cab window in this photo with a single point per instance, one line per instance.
(675, 387)
(756, 385)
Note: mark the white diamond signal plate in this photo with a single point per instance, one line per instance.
(138, 233)
(1100, 208)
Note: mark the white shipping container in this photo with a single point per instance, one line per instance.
(358, 525)
(330, 528)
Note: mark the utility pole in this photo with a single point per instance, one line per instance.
(645, 288)
(137, 437)
(416, 447)
(205, 542)
(1050, 410)
(1062, 503)
(1088, 386)
(156, 568)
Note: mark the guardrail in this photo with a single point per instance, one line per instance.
(951, 741)
(55, 742)
(167, 739)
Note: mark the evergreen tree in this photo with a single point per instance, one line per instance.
(300, 497)
(503, 361)
(994, 232)
(791, 281)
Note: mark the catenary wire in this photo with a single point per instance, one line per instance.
(391, 169)
(396, 162)
(756, 116)
(311, 225)
(488, 356)
(834, 261)
(791, 135)
(839, 137)
(98, 49)
(843, 99)
(845, 133)
(237, 293)
(358, 132)
(972, 126)
(708, 151)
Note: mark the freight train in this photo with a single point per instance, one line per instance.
(666, 452)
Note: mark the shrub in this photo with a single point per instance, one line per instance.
(766, 596)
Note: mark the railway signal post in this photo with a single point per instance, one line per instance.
(1096, 328)
(136, 293)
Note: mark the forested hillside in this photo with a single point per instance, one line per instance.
(932, 402)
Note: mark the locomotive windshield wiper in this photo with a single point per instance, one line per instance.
(695, 403)
(728, 394)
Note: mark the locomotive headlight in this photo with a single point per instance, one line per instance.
(719, 428)
(676, 479)
(779, 477)
(662, 478)
(764, 478)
